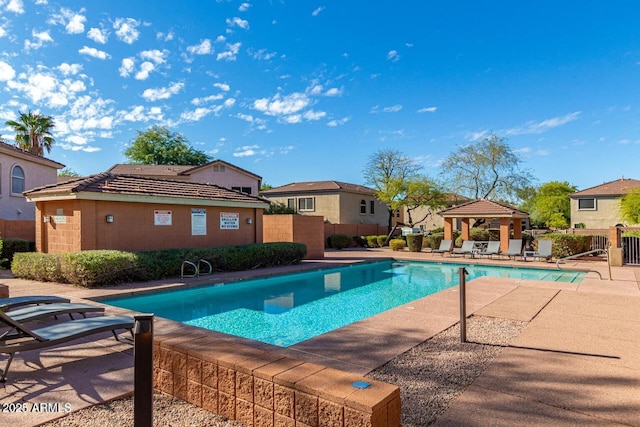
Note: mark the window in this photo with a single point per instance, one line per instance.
(291, 203)
(587, 204)
(363, 207)
(305, 204)
(246, 190)
(372, 207)
(218, 168)
(17, 180)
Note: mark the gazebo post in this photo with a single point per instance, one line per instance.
(504, 234)
(448, 228)
(517, 228)
(465, 229)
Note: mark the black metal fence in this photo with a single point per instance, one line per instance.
(631, 250)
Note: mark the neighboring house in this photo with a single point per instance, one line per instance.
(137, 213)
(337, 202)
(427, 218)
(20, 171)
(216, 172)
(599, 206)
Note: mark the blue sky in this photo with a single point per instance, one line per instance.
(306, 90)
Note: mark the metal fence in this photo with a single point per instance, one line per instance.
(631, 250)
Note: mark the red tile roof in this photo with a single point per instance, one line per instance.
(483, 209)
(12, 150)
(613, 188)
(132, 185)
(318, 187)
(169, 170)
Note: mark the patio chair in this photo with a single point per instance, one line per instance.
(544, 249)
(14, 302)
(49, 336)
(467, 247)
(514, 250)
(493, 248)
(37, 312)
(445, 246)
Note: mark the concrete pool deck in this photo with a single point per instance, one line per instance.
(577, 361)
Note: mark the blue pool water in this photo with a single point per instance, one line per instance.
(285, 310)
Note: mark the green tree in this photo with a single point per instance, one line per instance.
(422, 192)
(33, 132)
(488, 169)
(630, 206)
(68, 172)
(387, 172)
(158, 146)
(550, 203)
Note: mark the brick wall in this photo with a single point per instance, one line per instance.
(296, 228)
(355, 230)
(18, 229)
(263, 389)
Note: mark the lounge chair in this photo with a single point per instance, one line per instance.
(544, 249)
(58, 333)
(445, 246)
(37, 312)
(14, 302)
(514, 250)
(493, 248)
(467, 247)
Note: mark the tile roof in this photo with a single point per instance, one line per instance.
(12, 150)
(483, 209)
(613, 188)
(169, 170)
(319, 186)
(132, 185)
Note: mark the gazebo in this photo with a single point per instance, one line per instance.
(486, 209)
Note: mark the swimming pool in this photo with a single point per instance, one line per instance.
(285, 310)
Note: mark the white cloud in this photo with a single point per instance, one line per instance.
(145, 68)
(6, 72)
(246, 151)
(262, 54)
(196, 115)
(69, 69)
(222, 86)
(317, 11)
(393, 56)
(279, 105)
(428, 110)
(314, 115)
(334, 91)
(92, 51)
(126, 29)
(139, 114)
(211, 98)
(238, 22)
(40, 39)
(165, 37)
(204, 48)
(163, 92)
(73, 21)
(15, 6)
(339, 122)
(540, 127)
(127, 67)
(42, 87)
(392, 109)
(244, 7)
(230, 53)
(98, 35)
(155, 55)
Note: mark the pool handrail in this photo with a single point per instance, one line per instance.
(606, 252)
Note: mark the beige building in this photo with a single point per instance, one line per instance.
(599, 206)
(337, 202)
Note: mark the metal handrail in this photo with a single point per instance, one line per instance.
(605, 251)
(195, 269)
(206, 263)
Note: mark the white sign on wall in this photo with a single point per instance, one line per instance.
(229, 221)
(198, 222)
(161, 217)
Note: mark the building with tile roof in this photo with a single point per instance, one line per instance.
(599, 206)
(216, 172)
(21, 170)
(136, 213)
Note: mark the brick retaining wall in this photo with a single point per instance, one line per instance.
(260, 388)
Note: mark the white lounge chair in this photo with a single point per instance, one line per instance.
(514, 250)
(467, 247)
(545, 247)
(493, 248)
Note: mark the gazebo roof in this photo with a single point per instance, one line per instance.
(482, 208)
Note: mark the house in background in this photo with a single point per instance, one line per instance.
(599, 206)
(337, 202)
(20, 171)
(138, 213)
(216, 172)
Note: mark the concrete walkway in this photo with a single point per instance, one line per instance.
(576, 363)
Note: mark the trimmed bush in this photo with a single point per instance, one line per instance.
(360, 241)
(339, 241)
(9, 247)
(101, 268)
(414, 242)
(381, 239)
(565, 245)
(372, 241)
(397, 244)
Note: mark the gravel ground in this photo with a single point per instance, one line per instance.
(430, 376)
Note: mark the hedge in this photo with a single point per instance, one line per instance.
(397, 244)
(107, 267)
(414, 242)
(8, 247)
(339, 241)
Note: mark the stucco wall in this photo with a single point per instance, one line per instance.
(229, 178)
(296, 228)
(81, 225)
(606, 214)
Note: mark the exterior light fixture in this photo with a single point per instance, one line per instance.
(249, 220)
(109, 218)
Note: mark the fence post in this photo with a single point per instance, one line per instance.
(143, 371)
(462, 272)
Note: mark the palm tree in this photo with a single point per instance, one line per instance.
(33, 132)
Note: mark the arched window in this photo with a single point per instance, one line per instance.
(17, 180)
(363, 207)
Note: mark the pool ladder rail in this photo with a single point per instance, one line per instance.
(595, 251)
(197, 268)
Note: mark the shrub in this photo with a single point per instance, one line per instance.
(372, 241)
(414, 242)
(360, 241)
(565, 245)
(381, 239)
(9, 247)
(397, 244)
(339, 241)
(100, 268)
(279, 209)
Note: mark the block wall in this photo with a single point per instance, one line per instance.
(296, 228)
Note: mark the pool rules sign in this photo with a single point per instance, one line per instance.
(229, 221)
